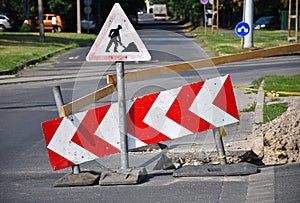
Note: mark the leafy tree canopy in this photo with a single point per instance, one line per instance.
(183, 9)
(61, 6)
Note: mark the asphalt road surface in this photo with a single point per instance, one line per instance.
(25, 172)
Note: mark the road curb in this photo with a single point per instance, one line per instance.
(33, 61)
(15, 80)
(216, 170)
(257, 141)
(258, 118)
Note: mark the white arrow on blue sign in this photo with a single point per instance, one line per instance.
(242, 29)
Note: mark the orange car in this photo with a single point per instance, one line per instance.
(48, 22)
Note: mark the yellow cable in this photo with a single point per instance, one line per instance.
(269, 93)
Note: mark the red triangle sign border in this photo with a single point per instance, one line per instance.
(110, 44)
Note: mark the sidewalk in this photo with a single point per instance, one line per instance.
(33, 75)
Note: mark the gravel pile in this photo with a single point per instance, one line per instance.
(280, 143)
(282, 136)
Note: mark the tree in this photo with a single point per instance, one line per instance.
(61, 6)
(185, 10)
(15, 9)
(230, 10)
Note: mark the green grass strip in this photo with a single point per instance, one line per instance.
(19, 48)
(272, 111)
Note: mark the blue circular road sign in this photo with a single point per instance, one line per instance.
(242, 29)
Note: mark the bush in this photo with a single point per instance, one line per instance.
(25, 28)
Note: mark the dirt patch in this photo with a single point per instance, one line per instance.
(276, 142)
(282, 136)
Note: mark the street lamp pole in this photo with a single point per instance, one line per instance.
(41, 17)
(248, 43)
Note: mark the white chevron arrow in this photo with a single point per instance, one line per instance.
(61, 142)
(203, 105)
(109, 131)
(156, 117)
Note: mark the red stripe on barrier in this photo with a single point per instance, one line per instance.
(135, 121)
(85, 134)
(225, 99)
(57, 162)
(180, 113)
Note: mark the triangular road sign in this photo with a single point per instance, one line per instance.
(118, 40)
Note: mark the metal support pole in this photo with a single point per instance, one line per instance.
(213, 16)
(220, 146)
(78, 17)
(243, 38)
(122, 115)
(59, 102)
(204, 18)
(58, 99)
(248, 43)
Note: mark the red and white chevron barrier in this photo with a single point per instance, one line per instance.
(153, 118)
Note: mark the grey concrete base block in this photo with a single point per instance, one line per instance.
(216, 170)
(164, 163)
(81, 179)
(123, 177)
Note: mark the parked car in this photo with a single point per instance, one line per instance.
(5, 22)
(267, 22)
(140, 12)
(48, 22)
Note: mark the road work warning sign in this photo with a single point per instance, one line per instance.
(118, 40)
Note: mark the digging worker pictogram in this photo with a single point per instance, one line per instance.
(115, 38)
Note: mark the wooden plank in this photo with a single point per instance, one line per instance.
(91, 98)
(163, 70)
(198, 64)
